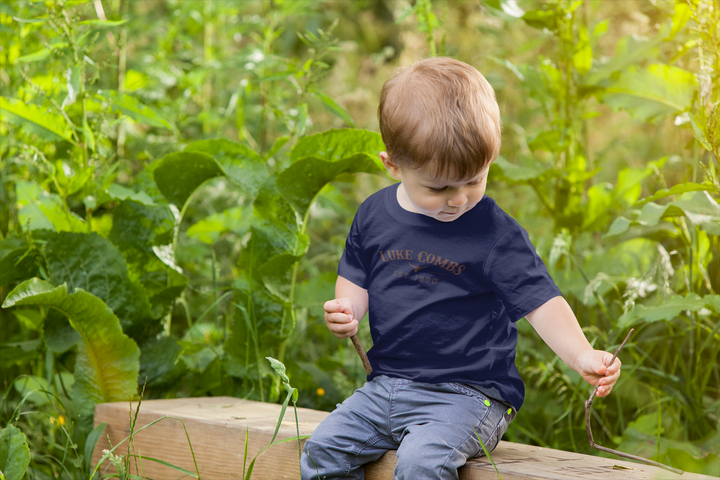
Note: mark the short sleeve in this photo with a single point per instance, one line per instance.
(351, 264)
(517, 274)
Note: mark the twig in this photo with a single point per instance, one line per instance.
(588, 405)
(363, 355)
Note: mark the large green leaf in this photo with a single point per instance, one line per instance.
(14, 453)
(513, 173)
(133, 108)
(541, 18)
(275, 227)
(277, 272)
(318, 159)
(669, 309)
(159, 361)
(47, 125)
(141, 226)
(701, 209)
(136, 230)
(336, 144)
(91, 263)
(179, 174)
(630, 50)
(678, 189)
(241, 164)
(106, 367)
(647, 94)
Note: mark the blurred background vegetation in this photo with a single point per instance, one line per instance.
(159, 154)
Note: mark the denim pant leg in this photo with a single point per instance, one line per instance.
(436, 425)
(354, 434)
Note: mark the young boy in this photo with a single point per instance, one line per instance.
(445, 274)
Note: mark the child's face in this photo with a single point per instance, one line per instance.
(444, 199)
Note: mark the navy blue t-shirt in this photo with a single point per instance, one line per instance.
(444, 296)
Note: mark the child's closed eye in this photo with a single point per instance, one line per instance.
(438, 190)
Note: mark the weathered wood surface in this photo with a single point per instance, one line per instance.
(217, 426)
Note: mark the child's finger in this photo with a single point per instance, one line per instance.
(339, 318)
(333, 306)
(344, 330)
(614, 367)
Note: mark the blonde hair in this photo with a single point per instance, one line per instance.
(442, 111)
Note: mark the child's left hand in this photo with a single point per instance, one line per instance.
(591, 366)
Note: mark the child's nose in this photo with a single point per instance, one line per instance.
(457, 200)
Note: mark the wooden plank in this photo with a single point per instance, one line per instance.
(217, 427)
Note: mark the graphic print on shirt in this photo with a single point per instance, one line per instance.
(425, 267)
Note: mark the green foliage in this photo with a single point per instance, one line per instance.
(107, 362)
(647, 94)
(184, 182)
(14, 453)
(46, 125)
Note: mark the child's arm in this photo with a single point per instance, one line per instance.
(343, 314)
(555, 322)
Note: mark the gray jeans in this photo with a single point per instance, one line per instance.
(430, 426)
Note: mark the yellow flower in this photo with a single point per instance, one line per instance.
(60, 420)
(320, 392)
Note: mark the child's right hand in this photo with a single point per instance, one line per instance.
(339, 317)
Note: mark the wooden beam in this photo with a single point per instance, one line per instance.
(217, 427)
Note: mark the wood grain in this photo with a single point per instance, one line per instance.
(217, 426)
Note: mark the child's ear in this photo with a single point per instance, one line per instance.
(391, 167)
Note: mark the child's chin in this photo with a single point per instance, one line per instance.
(444, 217)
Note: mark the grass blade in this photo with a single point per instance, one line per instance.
(167, 464)
(487, 454)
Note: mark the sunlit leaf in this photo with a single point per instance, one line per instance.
(541, 19)
(548, 141)
(39, 209)
(678, 189)
(41, 54)
(521, 173)
(681, 15)
(596, 211)
(133, 108)
(42, 122)
(106, 367)
(583, 56)
(647, 94)
(118, 192)
(701, 209)
(103, 23)
(630, 50)
(318, 159)
(209, 229)
(669, 309)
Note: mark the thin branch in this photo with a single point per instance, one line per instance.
(588, 405)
